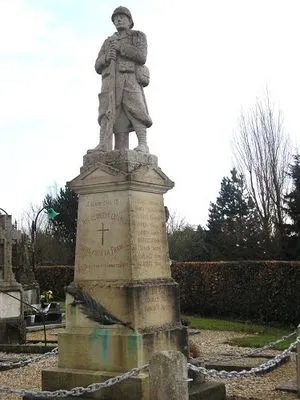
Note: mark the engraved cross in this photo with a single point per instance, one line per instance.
(103, 230)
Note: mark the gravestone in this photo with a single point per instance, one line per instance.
(12, 327)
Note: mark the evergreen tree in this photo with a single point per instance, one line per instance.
(63, 227)
(292, 202)
(233, 225)
(187, 244)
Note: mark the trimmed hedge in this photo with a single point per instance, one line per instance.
(266, 291)
(55, 278)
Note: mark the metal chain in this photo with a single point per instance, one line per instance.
(258, 350)
(264, 367)
(77, 391)
(25, 361)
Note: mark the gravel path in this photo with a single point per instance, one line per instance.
(211, 344)
(262, 387)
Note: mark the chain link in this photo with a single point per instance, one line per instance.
(264, 367)
(25, 361)
(77, 391)
(29, 360)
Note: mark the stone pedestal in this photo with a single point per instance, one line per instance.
(31, 294)
(12, 326)
(122, 261)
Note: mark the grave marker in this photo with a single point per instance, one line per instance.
(11, 292)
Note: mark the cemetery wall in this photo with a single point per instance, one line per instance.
(265, 291)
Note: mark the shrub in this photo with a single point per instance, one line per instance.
(265, 291)
(55, 277)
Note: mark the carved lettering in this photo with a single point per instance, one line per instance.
(100, 266)
(156, 303)
(110, 251)
(149, 239)
(113, 216)
(103, 203)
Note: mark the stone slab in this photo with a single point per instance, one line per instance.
(207, 391)
(36, 328)
(31, 295)
(12, 330)
(268, 355)
(240, 364)
(10, 307)
(135, 388)
(26, 348)
(290, 386)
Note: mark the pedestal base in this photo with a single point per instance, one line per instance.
(122, 263)
(135, 388)
(116, 349)
(12, 325)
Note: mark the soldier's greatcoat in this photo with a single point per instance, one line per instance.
(131, 107)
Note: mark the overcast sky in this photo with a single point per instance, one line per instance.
(207, 60)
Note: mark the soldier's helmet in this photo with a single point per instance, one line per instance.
(125, 11)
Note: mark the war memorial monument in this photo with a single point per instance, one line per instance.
(122, 260)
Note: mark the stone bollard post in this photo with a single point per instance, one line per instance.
(298, 365)
(168, 376)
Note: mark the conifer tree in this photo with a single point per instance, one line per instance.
(233, 225)
(292, 202)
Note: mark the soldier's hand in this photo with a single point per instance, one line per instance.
(116, 45)
(112, 54)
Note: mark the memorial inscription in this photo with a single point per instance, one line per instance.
(149, 238)
(102, 252)
(156, 307)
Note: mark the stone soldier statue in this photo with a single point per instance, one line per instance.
(122, 104)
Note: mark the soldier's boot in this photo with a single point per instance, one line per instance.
(122, 141)
(103, 144)
(142, 141)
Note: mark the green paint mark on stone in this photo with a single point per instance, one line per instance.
(133, 340)
(99, 337)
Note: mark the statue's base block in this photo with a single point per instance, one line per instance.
(107, 349)
(122, 263)
(135, 388)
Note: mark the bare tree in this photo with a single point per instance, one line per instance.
(30, 215)
(175, 222)
(262, 152)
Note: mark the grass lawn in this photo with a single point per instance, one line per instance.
(260, 334)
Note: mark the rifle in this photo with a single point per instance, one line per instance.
(111, 110)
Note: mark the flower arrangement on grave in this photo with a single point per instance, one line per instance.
(46, 296)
